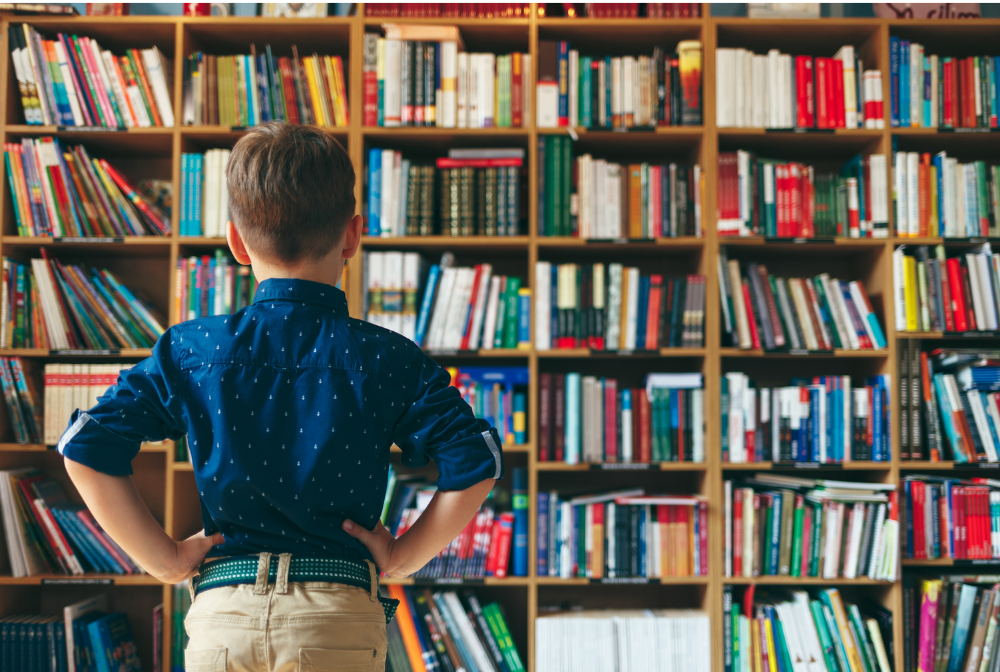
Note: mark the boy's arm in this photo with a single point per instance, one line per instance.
(437, 426)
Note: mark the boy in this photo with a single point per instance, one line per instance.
(289, 407)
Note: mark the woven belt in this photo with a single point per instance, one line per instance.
(242, 569)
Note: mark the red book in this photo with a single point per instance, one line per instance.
(545, 417)
(781, 199)
(968, 100)
(559, 412)
(754, 337)
(948, 75)
(838, 120)
(517, 91)
(479, 163)
(703, 537)
(113, 550)
(636, 427)
(737, 534)
(292, 100)
(805, 116)
(949, 320)
(918, 494)
(957, 295)
(491, 554)
(970, 313)
(823, 93)
(645, 440)
(502, 540)
(958, 516)
(472, 303)
(369, 99)
(610, 420)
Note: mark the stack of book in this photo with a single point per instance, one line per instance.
(40, 638)
(786, 199)
(20, 397)
(760, 310)
(474, 10)
(479, 193)
(675, 639)
(212, 285)
(59, 191)
(484, 548)
(498, 395)
(71, 81)
(953, 404)
(71, 306)
(780, 525)
(626, 534)
(950, 623)
(823, 419)
(591, 419)
(779, 626)
(951, 518)
(421, 75)
(932, 91)
(616, 308)
(779, 90)
(445, 630)
(936, 292)
(72, 386)
(938, 196)
(249, 89)
(47, 533)
(663, 89)
(462, 308)
(629, 201)
(204, 194)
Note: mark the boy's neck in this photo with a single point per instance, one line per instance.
(326, 270)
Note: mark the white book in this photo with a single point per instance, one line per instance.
(223, 193)
(854, 541)
(916, 84)
(449, 75)
(879, 205)
(902, 200)
(748, 526)
(440, 310)
(479, 310)
(574, 88)
(392, 289)
(727, 488)
(878, 550)
(761, 113)
(852, 341)
(948, 169)
(547, 105)
(543, 305)
(963, 223)
(855, 288)
(846, 55)
(796, 651)
(616, 89)
(787, 117)
(486, 81)
(388, 201)
(462, 97)
(613, 212)
(490, 321)
(55, 321)
(458, 308)
(156, 69)
(934, 90)
(632, 310)
(210, 188)
(411, 282)
(392, 96)
(984, 261)
(774, 103)
(737, 452)
(467, 632)
(977, 297)
(526, 101)
(583, 167)
(982, 424)
(30, 116)
(613, 335)
(71, 93)
(118, 88)
(698, 426)
(831, 546)
(628, 88)
(747, 65)
(898, 284)
(725, 83)
(913, 192)
(626, 425)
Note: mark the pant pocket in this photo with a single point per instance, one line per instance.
(336, 660)
(208, 660)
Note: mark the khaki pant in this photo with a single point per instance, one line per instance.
(286, 627)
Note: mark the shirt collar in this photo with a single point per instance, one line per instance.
(307, 291)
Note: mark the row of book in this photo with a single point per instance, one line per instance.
(23, 412)
(71, 81)
(950, 623)
(593, 419)
(494, 543)
(46, 533)
(779, 629)
(623, 640)
(624, 534)
(462, 308)
(937, 292)
(951, 518)
(448, 631)
(470, 193)
(62, 191)
(71, 306)
(204, 194)
(932, 91)
(499, 395)
(824, 419)
(777, 90)
(615, 307)
(780, 525)
(761, 310)
(250, 89)
(212, 285)
(788, 199)
(663, 89)
(638, 200)
(69, 387)
(651, 10)
(458, 10)
(421, 75)
(938, 196)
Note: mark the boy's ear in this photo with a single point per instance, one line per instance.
(236, 244)
(352, 237)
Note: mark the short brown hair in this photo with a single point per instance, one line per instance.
(291, 191)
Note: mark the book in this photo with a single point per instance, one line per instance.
(822, 419)
(112, 644)
(212, 285)
(963, 633)
(62, 191)
(24, 410)
(495, 393)
(439, 9)
(935, 195)
(204, 194)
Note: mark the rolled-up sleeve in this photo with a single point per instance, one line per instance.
(139, 407)
(439, 425)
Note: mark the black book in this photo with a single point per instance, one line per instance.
(677, 312)
(482, 628)
(406, 84)
(418, 54)
(423, 615)
(430, 82)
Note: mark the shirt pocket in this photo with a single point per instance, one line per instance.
(208, 660)
(337, 660)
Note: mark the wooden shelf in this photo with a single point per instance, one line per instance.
(801, 580)
(805, 354)
(62, 580)
(621, 466)
(948, 465)
(580, 581)
(992, 563)
(40, 353)
(808, 467)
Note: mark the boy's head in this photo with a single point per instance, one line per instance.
(291, 193)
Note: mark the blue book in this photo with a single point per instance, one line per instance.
(814, 424)
(939, 170)
(880, 452)
(253, 116)
(904, 83)
(519, 503)
(374, 191)
(524, 320)
(926, 107)
(185, 193)
(572, 439)
(542, 529)
(563, 74)
(775, 541)
(640, 323)
(520, 410)
(607, 91)
(780, 647)
(425, 307)
(78, 544)
(554, 301)
(724, 399)
(199, 172)
(966, 605)
(586, 93)
(264, 89)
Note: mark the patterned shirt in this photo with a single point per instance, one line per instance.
(289, 407)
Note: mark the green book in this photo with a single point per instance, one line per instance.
(498, 335)
(827, 305)
(835, 635)
(768, 525)
(779, 640)
(824, 636)
(816, 528)
(511, 321)
(504, 639)
(796, 568)
(981, 197)
(549, 228)
(586, 104)
(861, 638)
(567, 162)
(557, 180)
(669, 451)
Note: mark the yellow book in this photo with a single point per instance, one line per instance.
(623, 318)
(933, 225)
(910, 292)
(755, 657)
(597, 555)
(331, 86)
(772, 656)
(317, 107)
(342, 114)
(840, 616)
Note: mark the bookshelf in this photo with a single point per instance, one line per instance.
(149, 264)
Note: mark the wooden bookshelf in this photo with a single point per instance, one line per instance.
(149, 263)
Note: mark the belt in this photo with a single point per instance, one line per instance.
(242, 569)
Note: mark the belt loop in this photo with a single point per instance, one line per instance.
(373, 577)
(281, 582)
(263, 569)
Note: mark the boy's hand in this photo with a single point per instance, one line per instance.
(379, 543)
(189, 555)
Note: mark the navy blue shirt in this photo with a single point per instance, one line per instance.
(290, 407)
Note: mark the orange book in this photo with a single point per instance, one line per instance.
(653, 313)
(666, 557)
(140, 72)
(683, 549)
(645, 440)
(597, 555)
(407, 626)
(635, 200)
(623, 319)
(924, 190)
